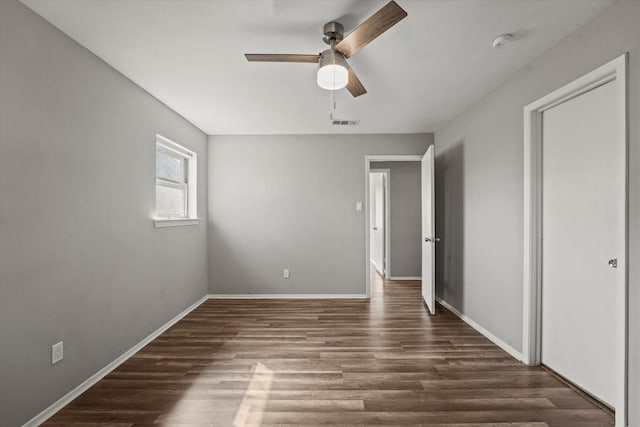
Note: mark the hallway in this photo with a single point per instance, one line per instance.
(338, 362)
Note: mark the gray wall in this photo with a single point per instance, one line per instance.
(405, 218)
(80, 259)
(479, 158)
(289, 202)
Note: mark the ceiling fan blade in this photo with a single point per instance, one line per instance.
(269, 57)
(355, 85)
(366, 32)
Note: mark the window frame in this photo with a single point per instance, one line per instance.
(189, 183)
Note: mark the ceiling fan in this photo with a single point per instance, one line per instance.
(333, 71)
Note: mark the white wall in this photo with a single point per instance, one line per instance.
(377, 220)
(80, 259)
(288, 201)
(479, 179)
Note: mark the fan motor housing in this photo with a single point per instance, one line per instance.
(333, 32)
(331, 56)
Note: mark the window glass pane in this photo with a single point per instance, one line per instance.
(170, 201)
(169, 167)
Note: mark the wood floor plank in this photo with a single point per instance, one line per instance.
(383, 361)
(426, 418)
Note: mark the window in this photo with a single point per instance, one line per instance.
(175, 184)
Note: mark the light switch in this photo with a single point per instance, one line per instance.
(358, 206)
(56, 353)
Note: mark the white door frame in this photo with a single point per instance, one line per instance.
(532, 272)
(367, 168)
(386, 261)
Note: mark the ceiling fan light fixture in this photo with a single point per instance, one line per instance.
(333, 73)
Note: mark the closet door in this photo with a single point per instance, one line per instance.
(583, 248)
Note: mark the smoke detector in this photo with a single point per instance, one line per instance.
(502, 40)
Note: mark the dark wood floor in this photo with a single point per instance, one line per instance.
(339, 362)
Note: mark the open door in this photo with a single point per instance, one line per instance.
(428, 231)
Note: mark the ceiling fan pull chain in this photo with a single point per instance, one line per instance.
(333, 99)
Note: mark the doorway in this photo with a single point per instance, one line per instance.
(412, 256)
(575, 272)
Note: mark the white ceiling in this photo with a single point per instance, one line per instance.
(421, 73)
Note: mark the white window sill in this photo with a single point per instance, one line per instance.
(175, 222)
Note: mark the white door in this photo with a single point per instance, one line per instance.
(583, 221)
(428, 231)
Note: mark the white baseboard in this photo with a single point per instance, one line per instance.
(93, 379)
(287, 296)
(405, 278)
(497, 341)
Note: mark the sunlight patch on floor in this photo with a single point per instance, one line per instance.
(256, 397)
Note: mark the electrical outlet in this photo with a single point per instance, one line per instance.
(56, 353)
(285, 273)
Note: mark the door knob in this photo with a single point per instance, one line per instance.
(435, 239)
(613, 263)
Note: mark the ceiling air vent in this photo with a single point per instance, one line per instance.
(345, 122)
